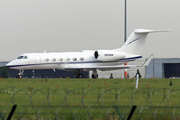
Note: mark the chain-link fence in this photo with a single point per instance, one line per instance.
(97, 103)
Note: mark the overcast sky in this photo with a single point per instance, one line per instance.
(30, 26)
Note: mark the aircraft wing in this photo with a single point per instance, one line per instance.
(109, 67)
(100, 67)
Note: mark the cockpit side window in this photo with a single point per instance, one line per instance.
(25, 57)
(20, 57)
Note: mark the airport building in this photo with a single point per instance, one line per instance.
(163, 68)
(157, 68)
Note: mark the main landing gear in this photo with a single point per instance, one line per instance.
(94, 74)
(33, 74)
(78, 74)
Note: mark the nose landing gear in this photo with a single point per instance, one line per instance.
(20, 73)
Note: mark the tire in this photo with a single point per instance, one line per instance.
(80, 75)
(94, 76)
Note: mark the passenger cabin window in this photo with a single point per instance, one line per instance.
(46, 59)
(67, 59)
(81, 58)
(74, 59)
(20, 57)
(25, 57)
(54, 59)
(60, 59)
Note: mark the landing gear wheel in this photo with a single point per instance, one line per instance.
(19, 76)
(80, 75)
(95, 76)
(20, 73)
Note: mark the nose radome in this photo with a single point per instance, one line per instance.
(10, 64)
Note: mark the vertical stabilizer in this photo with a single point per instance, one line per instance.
(136, 41)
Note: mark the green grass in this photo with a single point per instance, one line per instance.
(87, 83)
(96, 97)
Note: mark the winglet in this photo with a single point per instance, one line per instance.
(146, 63)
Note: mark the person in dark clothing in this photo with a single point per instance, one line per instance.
(138, 74)
(111, 76)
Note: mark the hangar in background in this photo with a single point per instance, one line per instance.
(44, 73)
(163, 68)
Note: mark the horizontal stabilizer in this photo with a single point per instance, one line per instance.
(146, 63)
(149, 31)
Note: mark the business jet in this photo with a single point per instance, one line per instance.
(103, 60)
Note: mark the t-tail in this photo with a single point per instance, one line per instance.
(135, 43)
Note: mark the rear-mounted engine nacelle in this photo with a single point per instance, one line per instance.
(108, 55)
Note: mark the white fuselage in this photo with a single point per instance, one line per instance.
(86, 59)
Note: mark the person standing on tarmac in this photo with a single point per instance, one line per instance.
(138, 73)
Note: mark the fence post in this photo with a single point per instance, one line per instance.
(137, 78)
(12, 112)
(1, 116)
(118, 112)
(132, 111)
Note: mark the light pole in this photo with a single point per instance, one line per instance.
(125, 22)
(125, 70)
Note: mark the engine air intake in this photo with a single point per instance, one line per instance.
(96, 54)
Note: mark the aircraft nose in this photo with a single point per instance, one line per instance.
(10, 64)
(7, 65)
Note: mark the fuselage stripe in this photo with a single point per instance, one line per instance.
(83, 62)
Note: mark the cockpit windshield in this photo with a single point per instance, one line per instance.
(22, 57)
